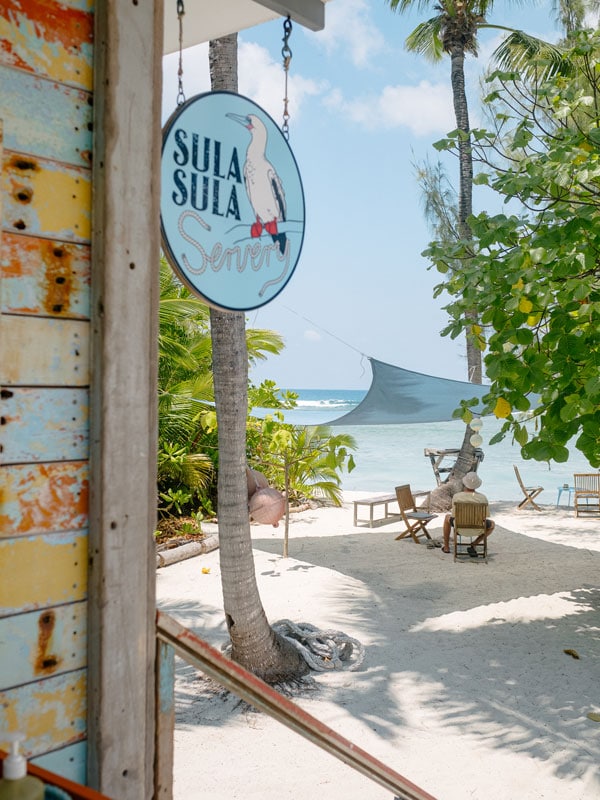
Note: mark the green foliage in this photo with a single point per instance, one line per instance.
(303, 461)
(177, 499)
(187, 448)
(188, 453)
(532, 276)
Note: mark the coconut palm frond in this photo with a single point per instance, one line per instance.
(426, 39)
(532, 58)
(261, 342)
(403, 5)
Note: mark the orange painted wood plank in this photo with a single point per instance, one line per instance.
(46, 198)
(57, 123)
(44, 425)
(41, 571)
(49, 38)
(44, 276)
(42, 643)
(51, 712)
(43, 498)
(37, 351)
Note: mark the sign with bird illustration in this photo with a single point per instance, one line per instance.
(232, 203)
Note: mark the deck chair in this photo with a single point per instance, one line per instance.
(530, 492)
(469, 523)
(587, 493)
(415, 519)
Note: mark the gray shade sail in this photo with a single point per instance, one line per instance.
(399, 396)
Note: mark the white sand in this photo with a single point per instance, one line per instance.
(465, 689)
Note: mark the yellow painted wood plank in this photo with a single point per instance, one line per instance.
(35, 351)
(50, 38)
(45, 277)
(43, 498)
(46, 198)
(42, 643)
(41, 571)
(51, 712)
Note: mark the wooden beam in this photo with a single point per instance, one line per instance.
(310, 13)
(123, 435)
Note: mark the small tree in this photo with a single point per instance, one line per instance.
(304, 462)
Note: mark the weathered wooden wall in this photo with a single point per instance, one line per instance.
(79, 108)
(46, 50)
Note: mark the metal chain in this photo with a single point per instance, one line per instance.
(287, 57)
(180, 15)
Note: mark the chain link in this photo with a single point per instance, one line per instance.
(180, 15)
(287, 57)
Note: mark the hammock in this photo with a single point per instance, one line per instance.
(398, 395)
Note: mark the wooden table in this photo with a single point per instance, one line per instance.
(372, 502)
(383, 500)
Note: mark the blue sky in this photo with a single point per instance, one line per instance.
(362, 112)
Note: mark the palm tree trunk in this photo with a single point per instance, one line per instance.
(254, 644)
(441, 497)
(465, 190)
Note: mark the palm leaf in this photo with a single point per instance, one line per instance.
(532, 58)
(426, 39)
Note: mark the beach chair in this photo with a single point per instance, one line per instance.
(469, 523)
(530, 492)
(587, 493)
(415, 519)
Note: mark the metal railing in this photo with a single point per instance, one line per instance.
(174, 638)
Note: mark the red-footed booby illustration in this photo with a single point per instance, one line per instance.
(263, 185)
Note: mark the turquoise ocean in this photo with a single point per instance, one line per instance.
(388, 455)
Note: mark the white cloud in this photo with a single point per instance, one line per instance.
(311, 335)
(263, 80)
(260, 78)
(424, 109)
(349, 27)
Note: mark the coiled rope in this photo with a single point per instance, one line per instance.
(323, 651)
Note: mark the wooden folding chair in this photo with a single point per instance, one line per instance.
(587, 493)
(415, 519)
(470, 523)
(530, 492)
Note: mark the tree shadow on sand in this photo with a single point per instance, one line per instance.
(494, 670)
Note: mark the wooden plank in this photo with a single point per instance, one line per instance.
(44, 277)
(45, 352)
(58, 121)
(44, 425)
(165, 721)
(43, 498)
(126, 251)
(42, 643)
(69, 762)
(41, 571)
(50, 38)
(52, 711)
(46, 198)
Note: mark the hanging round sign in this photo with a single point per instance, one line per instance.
(232, 204)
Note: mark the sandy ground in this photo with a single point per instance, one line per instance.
(465, 688)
